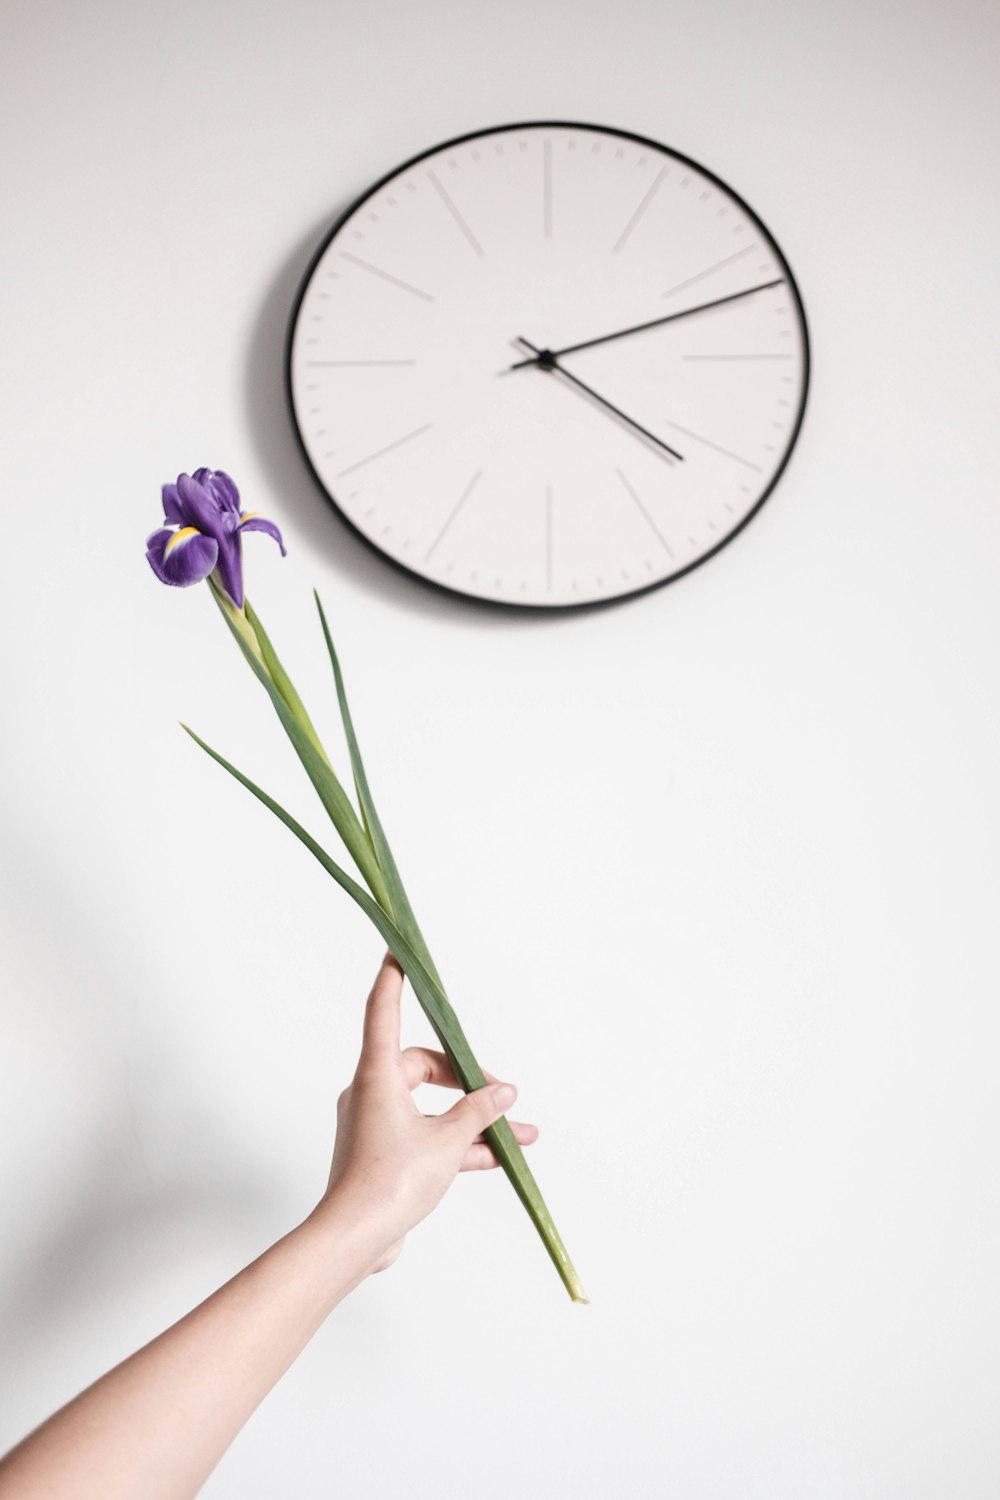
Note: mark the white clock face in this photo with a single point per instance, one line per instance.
(621, 458)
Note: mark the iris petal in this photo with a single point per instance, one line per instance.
(251, 521)
(172, 505)
(230, 567)
(224, 490)
(198, 505)
(181, 557)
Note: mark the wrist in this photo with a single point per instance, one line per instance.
(350, 1231)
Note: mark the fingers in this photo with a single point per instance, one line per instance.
(423, 1065)
(381, 1033)
(479, 1156)
(480, 1108)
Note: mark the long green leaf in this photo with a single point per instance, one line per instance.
(442, 1017)
(401, 908)
(297, 725)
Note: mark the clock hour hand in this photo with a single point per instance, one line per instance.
(653, 323)
(545, 359)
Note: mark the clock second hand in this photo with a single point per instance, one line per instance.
(546, 360)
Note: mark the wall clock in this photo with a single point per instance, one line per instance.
(548, 365)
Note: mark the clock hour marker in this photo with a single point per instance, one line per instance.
(716, 266)
(736, 356)
(726, 452)
(454, 511)
(644, 204)
(449, 204)
(406, 438)
(366, 265)
(356, 364)
(547, 188)
(645, 514)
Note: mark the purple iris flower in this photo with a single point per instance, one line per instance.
(205, 507)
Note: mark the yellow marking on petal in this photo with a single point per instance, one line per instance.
(185, 533)
(249, 515)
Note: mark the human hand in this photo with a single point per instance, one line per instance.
(392, 1164)
(159, 1422)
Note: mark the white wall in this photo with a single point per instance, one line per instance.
(713, 875)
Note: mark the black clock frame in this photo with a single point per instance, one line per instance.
(505, 604)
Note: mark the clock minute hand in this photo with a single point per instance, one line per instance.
(685, 312)
(546, 360)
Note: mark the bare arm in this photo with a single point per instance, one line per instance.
(155, 1426)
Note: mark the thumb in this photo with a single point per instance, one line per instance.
(481, 1108)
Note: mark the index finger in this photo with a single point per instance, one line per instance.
(381, 1030)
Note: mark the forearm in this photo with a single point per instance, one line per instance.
(154, 1427)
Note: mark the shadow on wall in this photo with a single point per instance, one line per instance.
(125, 1172)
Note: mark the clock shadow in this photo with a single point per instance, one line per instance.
(272, 431)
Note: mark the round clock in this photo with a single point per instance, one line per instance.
(548, 364)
